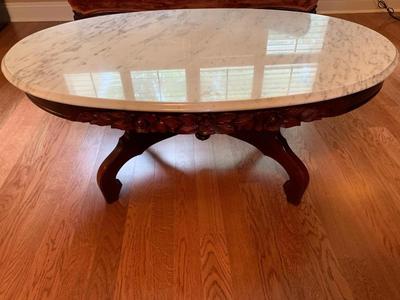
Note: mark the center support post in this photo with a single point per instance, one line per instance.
(271, 144)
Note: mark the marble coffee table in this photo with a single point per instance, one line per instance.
(241, 72)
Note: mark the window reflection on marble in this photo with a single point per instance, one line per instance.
(282, 80)
(101, 85)
(311, 42)
(160, 85)
(229, 83)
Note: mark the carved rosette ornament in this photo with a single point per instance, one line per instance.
(208, 123)
(202, 123)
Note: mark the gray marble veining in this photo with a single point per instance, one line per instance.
(200, 60)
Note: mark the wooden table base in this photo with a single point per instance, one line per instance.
(129, 145)
(274, 145)
(260, 128)
(271, 144)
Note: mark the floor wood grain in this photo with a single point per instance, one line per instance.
(200, 220)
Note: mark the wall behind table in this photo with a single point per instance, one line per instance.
(59, 10)
(38, 10)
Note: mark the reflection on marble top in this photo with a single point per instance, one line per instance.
(200, 60)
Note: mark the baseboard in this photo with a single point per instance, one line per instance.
(360, 6)
(61, 11)
(349, 11)
(39, 11)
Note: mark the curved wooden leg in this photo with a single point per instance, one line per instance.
(129, 145)
(274, 145)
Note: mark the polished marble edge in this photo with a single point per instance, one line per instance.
(211, 106)
(204, 106)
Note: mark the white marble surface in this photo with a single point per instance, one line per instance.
(200, 60)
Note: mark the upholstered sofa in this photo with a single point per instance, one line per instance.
(90, 8)
(4, 17)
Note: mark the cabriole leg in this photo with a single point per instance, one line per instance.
(129, 145)
(274, 145)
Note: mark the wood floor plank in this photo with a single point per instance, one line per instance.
(45, 278)
(87, 216)
(215, 264)
(339, 209)
(24, 221)
(240, 243)
(291, 236)
(187, 270)
(26, 118)
(148, 274)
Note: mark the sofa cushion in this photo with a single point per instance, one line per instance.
(93, 7)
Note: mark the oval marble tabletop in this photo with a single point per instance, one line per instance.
(200, 60)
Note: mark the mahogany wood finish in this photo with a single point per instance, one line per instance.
(260, 128)
(129, 145)
(91, 8)
(271, 144)
(274, 145)
(207, 123)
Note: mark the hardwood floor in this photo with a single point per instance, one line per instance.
(200, 220)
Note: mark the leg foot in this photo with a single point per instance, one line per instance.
(129, 146)
(110, 189)
(274, 145)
